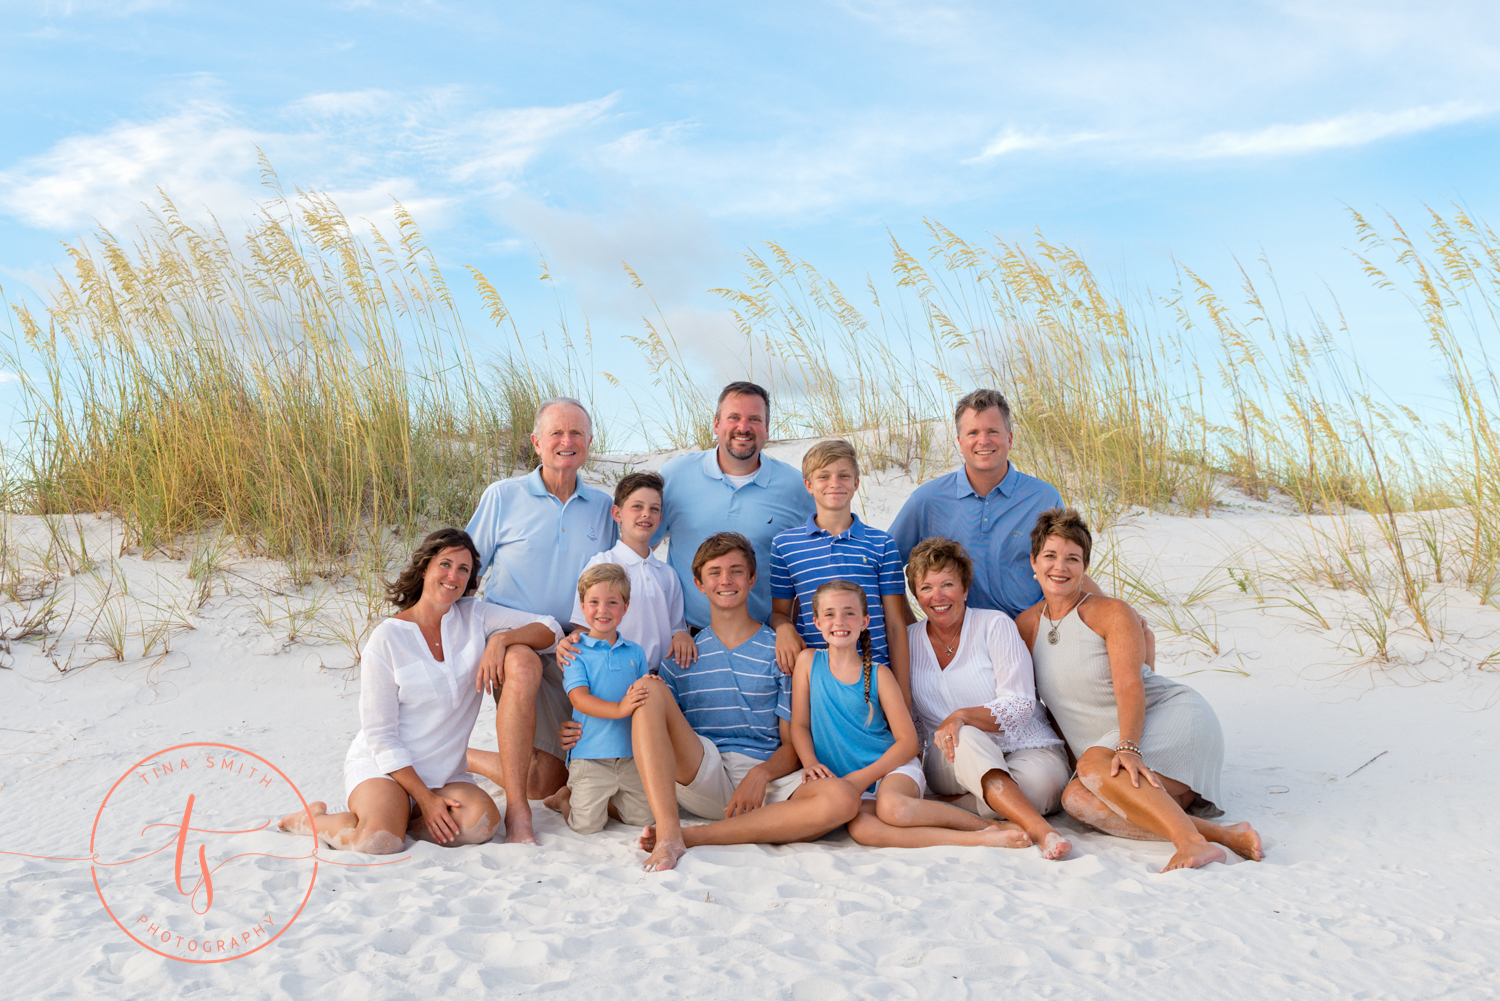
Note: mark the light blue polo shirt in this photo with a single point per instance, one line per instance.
(608, 671)
(698, 502)
(995, 529)
(806, 556)
(532, 546)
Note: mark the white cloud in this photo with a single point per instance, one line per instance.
(1354, 129)
(344, 103)
(1012, 141)
(504, 142)
(8, 377)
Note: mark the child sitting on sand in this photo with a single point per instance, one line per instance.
(850, 721)
(601, 684)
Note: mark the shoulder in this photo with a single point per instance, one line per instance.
(678, 464)
(1036, 491)
(1101, 611)
(937, 486)
(804, 662)
(991, 620)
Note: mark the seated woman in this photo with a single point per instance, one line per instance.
(420, 692)
(849, 721)
(973, 690)
(1119, 716)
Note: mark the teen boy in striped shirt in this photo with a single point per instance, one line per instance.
(835, 545)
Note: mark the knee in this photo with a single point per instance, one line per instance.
(864, 827)
(522, 666)
(840, 803)
(476, 830)
(897, 811)
(1041, 787)
(1077, 801)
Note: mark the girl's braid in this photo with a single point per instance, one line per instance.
(866, 654)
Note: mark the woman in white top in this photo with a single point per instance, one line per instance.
(420, 692)
(973, 690)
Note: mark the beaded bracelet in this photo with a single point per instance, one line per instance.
(1129, 747)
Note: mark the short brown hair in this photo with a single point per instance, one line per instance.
(721, 545)
(744, 389)
(1065, 523)
(938, 553)
(631, 482)
(605, 573)
(406, 590)
(826, 453)
(979, 401)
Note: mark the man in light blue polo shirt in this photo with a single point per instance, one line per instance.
(535, 534)
(731, 487)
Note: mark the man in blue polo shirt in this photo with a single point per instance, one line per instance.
(731, 487)
(535, 534)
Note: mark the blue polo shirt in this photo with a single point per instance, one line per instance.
(698, 502)
(532, 546)
(608, 671)
(734, 697)
(806, 556)
(995, 529)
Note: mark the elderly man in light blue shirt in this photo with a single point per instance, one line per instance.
(731, 487)
(534, 534)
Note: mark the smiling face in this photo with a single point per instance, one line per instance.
(832, 487)
(840, 616)
(1059, 567)
(984, 441)
(726, 581)
(603, 607)
(942, 595)
(562, 438)
(741, 425)
(447, 575)
(639, 515)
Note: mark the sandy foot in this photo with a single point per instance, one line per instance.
(1005, 834)
(518, 830)
(1055, 846)
(296, 823)
(1243, 840)
(1194, 856)
(561, 802)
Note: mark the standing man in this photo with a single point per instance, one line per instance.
(731, 488)
(535, 533)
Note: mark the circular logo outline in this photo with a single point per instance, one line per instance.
(94, 868)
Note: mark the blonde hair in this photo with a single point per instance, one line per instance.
(605, 573)
(826, 453)
(866, 641)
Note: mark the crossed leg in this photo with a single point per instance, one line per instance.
(375, 823)
(900, 818)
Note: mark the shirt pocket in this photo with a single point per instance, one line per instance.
(415, 684)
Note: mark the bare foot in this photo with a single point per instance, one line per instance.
(560, 802)
(486, 763)
(296, 823)
(647, 841)
(1055, 846)
(1005, 834)
(518, 825)
(1241, 839)
(1194, 855)
(664, 854)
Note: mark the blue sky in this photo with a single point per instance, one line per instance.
(674, 135)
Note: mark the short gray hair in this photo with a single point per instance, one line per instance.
(558, 401)
(981, 400)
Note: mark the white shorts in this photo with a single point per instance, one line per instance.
(912, 770)
(719, 775)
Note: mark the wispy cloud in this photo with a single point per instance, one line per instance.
(8, 377)
(1013, 141)
(1354, 129)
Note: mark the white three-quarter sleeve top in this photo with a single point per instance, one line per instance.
(419, 711)
(991, 668)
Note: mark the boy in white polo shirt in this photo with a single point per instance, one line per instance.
(655, 618)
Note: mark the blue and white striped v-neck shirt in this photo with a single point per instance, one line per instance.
(734, 697)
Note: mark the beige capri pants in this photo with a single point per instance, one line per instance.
(1041, 772)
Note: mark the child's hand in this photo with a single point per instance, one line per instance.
(814, 772)
(634, 699)
(567, 648)
(683, 649)
(789, 643)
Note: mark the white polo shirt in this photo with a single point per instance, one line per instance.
(655, 611)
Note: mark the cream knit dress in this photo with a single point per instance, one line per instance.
(1181, 738)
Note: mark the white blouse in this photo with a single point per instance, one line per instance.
(419, 711)
(991, 668)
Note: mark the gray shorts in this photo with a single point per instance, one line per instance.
(552, 708)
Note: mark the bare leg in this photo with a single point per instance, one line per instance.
(561, 801)
(1005, 797)
(667, 751)
(515, 729)
(478, 818)
(1084, 806)
(898, 805)
(814, 809)
(374, 824)
(868, 829)
(547, 775)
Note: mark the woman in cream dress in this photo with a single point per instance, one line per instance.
(1149, 749)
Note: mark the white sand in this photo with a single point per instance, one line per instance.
(1380, 882)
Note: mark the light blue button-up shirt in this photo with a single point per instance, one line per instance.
(995, 529)
(532, 546)
(698, 502)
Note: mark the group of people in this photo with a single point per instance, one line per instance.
(770, 676)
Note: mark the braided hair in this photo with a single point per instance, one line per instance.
(866, 641)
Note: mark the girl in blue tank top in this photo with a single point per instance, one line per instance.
(850, 721)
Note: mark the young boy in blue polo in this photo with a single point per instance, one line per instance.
(835, 545)
(601, 685)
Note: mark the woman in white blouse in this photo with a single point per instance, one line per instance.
(420, 692)
(972, 688)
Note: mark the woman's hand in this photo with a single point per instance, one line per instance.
(491, 674)
(438, 816)
(567, 648)
(683, 649)
(814, 772)
(946, 738)
(1134, 767)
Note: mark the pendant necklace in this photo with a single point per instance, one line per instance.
(1052, 633)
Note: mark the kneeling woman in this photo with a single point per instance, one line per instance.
(850, 721)
(1119, 716)
(420, 692)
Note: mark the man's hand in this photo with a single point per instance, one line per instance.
(567, 647)
(568, 733)
(749, 795)
(491, 665)
(788, 644)
(683, 649)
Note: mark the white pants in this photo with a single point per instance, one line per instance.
(1041, 772)
(719, 775)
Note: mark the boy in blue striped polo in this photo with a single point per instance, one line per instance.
(835, 545)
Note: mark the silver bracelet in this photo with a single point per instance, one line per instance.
(1129, 747)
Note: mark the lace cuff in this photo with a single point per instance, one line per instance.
(1021, 723)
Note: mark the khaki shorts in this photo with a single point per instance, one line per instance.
(598, 783)
(1041, 772)
(719, 775)
(552, 708)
